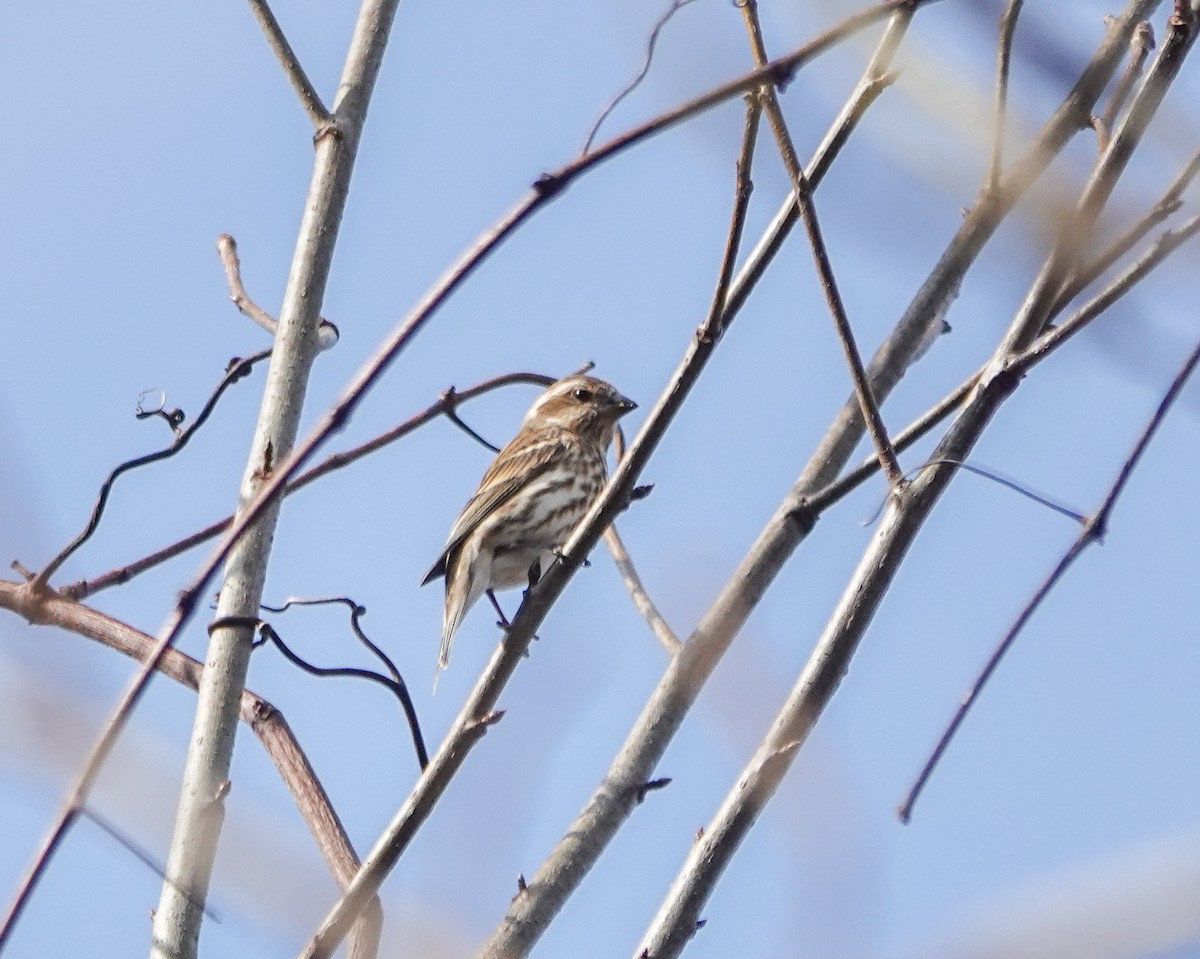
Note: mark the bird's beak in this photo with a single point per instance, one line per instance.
(624, 406)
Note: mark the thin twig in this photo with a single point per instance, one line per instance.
(1008, 29)
(317, 113)
(743, 188)
(1140, 45)
(449, 401)
(1093, 531)
(651, 43)
(236, 371)
(632, 579)
(327, 334)
(808, 215)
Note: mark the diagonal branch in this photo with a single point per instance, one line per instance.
(802, 191)
(317, 113)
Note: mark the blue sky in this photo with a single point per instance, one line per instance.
(139, 133)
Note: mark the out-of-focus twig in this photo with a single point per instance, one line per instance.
(1008, 29)
(1140, 45)
(1168, 204)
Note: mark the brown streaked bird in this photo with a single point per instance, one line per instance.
(530, 499)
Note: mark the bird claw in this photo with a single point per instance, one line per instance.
(562, 557)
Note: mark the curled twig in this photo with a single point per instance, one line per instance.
(394, 682)
(235, 371)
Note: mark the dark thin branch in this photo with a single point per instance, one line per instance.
(317, 113)
(743, 187)
(651, 43)
(1093, 531)
(449, 401)
(394, 682)
(995, 477)
(1008, 29)
(808, 215)
(236, 370)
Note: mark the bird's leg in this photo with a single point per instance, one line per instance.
(504, 623)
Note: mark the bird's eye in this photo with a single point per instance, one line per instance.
(583, 395)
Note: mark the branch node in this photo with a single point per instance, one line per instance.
(327, 129)
(549, 185)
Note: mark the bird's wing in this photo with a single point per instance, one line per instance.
(516, 466)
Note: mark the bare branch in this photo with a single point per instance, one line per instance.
(327, 334)
(177, 921)
(320, 117)
(1093, 531)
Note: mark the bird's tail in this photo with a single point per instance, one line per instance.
(460, 595)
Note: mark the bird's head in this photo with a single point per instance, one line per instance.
(583, 404)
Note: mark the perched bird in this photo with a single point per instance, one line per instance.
(530, 499)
